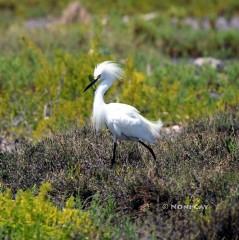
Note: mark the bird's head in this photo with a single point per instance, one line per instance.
(107, 72)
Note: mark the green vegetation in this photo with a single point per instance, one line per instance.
(57, 183)
(31, 82)
(36, 217)
(29, 216)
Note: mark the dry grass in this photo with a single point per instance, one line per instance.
(201, 165)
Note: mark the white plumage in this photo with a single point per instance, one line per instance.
(124, 121)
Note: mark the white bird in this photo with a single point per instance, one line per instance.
(123, 121)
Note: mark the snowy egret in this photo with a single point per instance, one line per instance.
(123, 121)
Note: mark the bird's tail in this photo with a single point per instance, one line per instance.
(155, 127)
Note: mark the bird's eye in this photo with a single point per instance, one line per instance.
(91, 78)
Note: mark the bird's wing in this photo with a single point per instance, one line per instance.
(121, 110)
(125, 122)
(122, 107)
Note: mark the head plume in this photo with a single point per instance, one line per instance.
(108, 70)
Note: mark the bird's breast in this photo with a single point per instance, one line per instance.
(98, 118)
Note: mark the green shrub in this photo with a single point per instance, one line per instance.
(35, 217)
(29, 216)
(32, 82)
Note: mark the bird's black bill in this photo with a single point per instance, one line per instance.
(91, 84)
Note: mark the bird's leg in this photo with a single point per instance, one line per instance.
(149, 148)
(114, 153)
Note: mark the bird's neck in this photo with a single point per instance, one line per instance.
(99, 106)
(99, 94)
